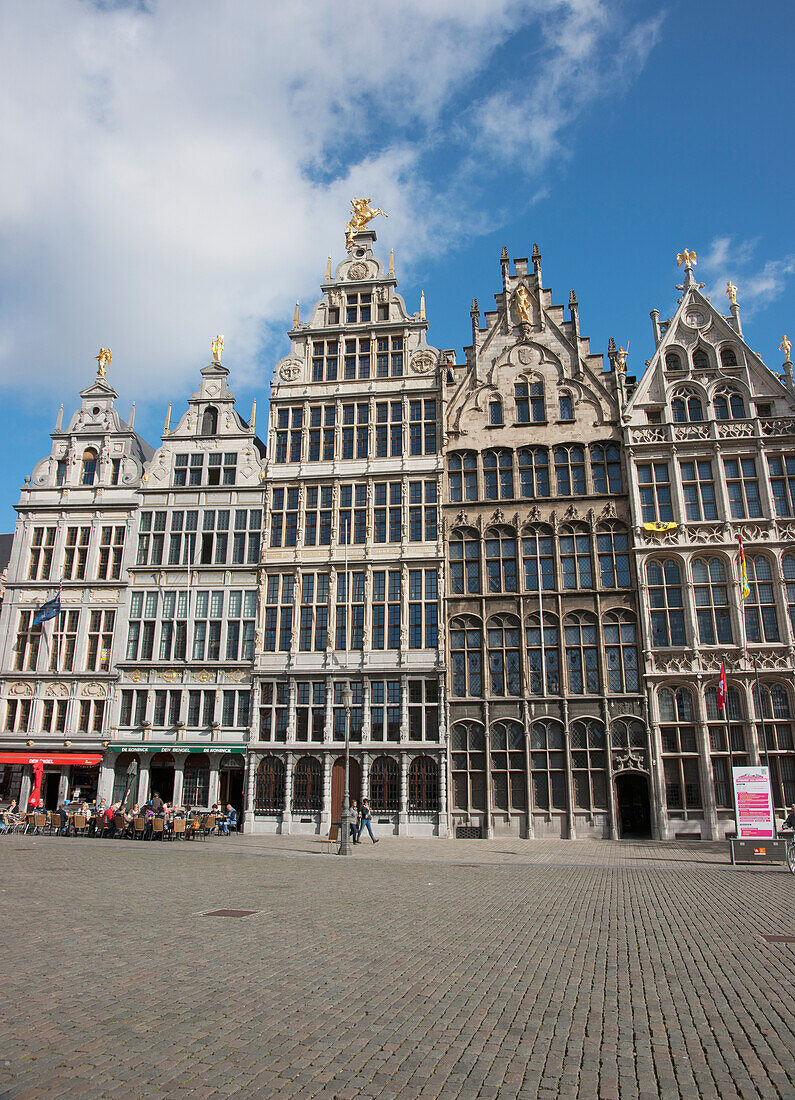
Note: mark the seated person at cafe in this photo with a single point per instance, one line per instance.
(231, 819)
(64, 813)
(109, 819)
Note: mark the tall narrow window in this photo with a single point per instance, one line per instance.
(530, 402)
(501, 561)
(508, 778)
(726, 741)
(463, 476)
(543, 662)
(582, 663)
(548, 761)
(621, 652)
(698, 487)
(534, 472)
(423, 784)
(570, 470)
(612, 547)
(495, 413)
(743, 488)
(498, 475)
(210, 421)
(761, 617)
(606, 467)
(503, 638)
(538, 555)
(667, 608)
(89, 469)
(712, 602)
(565, 407)
(655, 491)
(575, 556)
(777, 744)
(465, 562)
(680, 752)
(788, 566)
(728, 404)
(589, 763)
(782, 481)
(468, 765)
(466, 651)
(686, 407)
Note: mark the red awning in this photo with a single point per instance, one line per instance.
(86, 760)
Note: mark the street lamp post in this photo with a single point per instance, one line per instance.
(344, 849)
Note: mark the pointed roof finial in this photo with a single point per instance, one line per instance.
(295, 316)
(504, 255)
(536, 254)
(59, 419)
(391, 261)
(422, 305)
(253, 422)
(167, 424)
(328, 270)
(132, 416)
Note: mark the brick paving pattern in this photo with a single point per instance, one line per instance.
(417, 969)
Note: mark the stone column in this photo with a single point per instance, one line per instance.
(25, 787)
(442, 825)
(366, 760)
(403, 816)
(215, 779)
(179, 777)
(487, 822)
(288, 792)
(404, 710)
(366, 714)
(63, 787)
(705, 767)
(325, 813)
(143, 779)
(252, 766)
(571, 827)
(105, 783)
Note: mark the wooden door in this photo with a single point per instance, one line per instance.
(338, 784)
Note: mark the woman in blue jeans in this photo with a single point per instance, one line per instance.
(366, 818)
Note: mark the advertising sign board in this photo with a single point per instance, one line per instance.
(754, 804)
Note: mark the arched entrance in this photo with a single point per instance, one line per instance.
(338, 785)
(231, 771)
(634, 808)
(161, 776)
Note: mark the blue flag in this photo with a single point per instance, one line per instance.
(49, 610)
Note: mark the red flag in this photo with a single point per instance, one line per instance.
(722, 688)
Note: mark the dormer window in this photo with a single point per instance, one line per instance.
(700, 360)
(728, 357)
(687, 408)
(565, 405)
(89, 469)
(673, 362)
(210, 421)
(358, 308)
(728, 405)
(530, 402)
(333, 316)
(495, 413)
(115, 471)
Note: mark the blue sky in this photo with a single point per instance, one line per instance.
(183, 168)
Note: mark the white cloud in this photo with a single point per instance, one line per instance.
(757, 286)
(184, 168)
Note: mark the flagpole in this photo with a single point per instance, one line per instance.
(745, 591)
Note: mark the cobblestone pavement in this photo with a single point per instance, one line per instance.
(493, 969)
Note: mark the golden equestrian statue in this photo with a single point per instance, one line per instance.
(786, 347)
(361, 214)
(523, 304)
(217, 346)
(731, 292)
(103, 359)
(688, 258)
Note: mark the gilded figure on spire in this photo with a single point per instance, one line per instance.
(217, 346)
(361, 214)
(688, 258)
(103, 360)
(731, 292)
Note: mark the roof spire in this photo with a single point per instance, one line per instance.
(253, 422)
(422, 305)
(391, 261)
(295, 316)
(328, 270)
(59, 419)
(167, 425)
(132, 415)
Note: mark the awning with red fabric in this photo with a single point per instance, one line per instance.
(83, 760)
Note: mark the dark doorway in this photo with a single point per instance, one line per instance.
(161, 776)
(231, 776)
(49, 790)
(634, 811)
(338, 784)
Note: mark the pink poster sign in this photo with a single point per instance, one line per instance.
(754, 804)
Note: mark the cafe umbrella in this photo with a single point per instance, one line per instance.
(132, 777)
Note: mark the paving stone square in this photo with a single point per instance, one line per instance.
(428, 969)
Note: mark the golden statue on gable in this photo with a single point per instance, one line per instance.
(688, 258)
(731, 292)
(103, 359)
(523, 305)
(622, 360)
(361, 214)
(786, 347)
(217, 346)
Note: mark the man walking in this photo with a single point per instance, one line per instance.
(366, 818)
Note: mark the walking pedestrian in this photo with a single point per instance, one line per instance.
(366, 819)
(353, 822)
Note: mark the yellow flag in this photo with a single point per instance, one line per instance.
(660, 526)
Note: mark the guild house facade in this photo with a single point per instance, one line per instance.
(512, 577)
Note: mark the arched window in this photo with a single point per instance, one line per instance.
(728, 357)
(621, 651)
(726, 741)
(712, 602)
(582, 662)
(464, 562)
(269, 788)
(534, 472)
(498, 475)
(529, 402)
(504, 664)
(384, 784)
(463, 476)
(495, 413)
(308, 784)
(680, 755)
(686, 407)
(700, 359)
(566, 406)
(543, 660)
(628, 733)
(466, 656)
(789, 576)
(196, 781)
(537, 554)
(761, 617)
(508, 782)
(606, 467)
(665, 598)
(575, 556)
(548, 761)
(501, 560)
(777, 744)
(570, 470)
(423, 784)
(728, 404)
(88, 471)
(612, 547)
(588, 762)
(210, 421)
(672, 361)
(468, 765)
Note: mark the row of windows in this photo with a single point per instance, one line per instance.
(714, 600)
(216, 536)
(219, 622)
(61, 649)
(322, 433)
(359, 356)
(76, 547)
(701, 358)
(88, 716)
(195, 709)
(530, 405)
(88, 469)
(390, 607)
(390, 512)
(534, 472)
(384, 785)
(542, 658)
(317, 714)
(201, 469)
(741, 486)
(568, 560)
